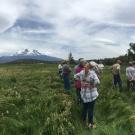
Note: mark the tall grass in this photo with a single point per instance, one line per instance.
(33, 102)
(114, 112)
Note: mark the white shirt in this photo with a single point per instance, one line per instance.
(88, 94)
(59, 66)
(130, 73)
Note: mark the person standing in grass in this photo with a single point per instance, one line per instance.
(66, 70)
(89, 81)
(130, 74)
(116, 74)
(78, 69)
(60, 70)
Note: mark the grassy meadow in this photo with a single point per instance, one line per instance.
(33, 102)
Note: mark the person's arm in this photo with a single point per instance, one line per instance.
(78, 76)
(112, 69)
(96, 80)
(118, 69)
(75, 70)
(128, 74)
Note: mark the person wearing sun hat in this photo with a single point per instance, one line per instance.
(89, 93)
(78, 69)
(130, 74)
(116, 74)
(96, 68)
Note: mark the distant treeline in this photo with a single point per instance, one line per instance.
(32, 61)
(130, 56)
(111, 61)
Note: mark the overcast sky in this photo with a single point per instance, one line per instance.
(87, 28)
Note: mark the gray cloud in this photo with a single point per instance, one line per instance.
(90, 29)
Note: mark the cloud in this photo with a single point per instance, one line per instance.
(90, 29)
(10, 10)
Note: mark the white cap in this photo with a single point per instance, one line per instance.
(83, 61)
(92, 63)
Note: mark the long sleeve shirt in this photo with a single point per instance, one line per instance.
(116, 69)
(78, 69)
(89, 82)
(130, 73)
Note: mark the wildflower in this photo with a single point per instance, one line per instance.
(7, 112)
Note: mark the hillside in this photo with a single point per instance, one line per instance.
(28, 55)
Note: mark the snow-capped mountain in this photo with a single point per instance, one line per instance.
(27, 52)
(28, 55)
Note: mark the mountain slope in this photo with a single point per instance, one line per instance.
(28, 55)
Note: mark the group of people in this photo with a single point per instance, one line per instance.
(87, 78)
(86, 83)
(130, 74)
(64, 73)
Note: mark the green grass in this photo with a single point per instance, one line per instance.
(33, 102)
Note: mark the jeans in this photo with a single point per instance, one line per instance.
(66, 82)
(88, 108)
(117, 80)
(60, 74)
(130, 85)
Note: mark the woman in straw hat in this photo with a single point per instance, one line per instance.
(89, 94)
(78, 69)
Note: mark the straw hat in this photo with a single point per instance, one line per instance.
(93, 64)
(119, 61)
(87, 65)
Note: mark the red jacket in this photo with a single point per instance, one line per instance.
(78, 82)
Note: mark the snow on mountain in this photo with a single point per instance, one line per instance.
(29, 55)
(27, 52)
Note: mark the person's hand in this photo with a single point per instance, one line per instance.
(92, 86)
(77, 78)
(84, 80)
